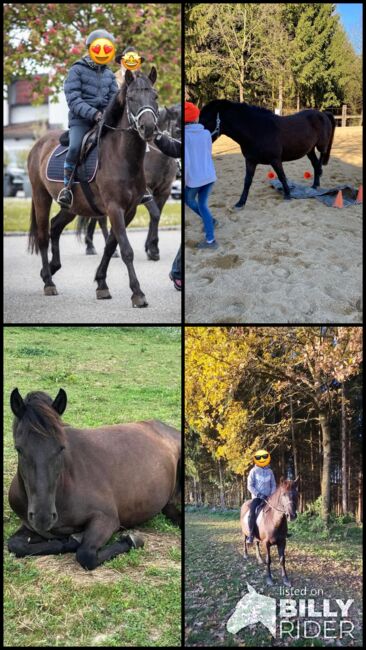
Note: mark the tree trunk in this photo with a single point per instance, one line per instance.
(344, 456)
(294, 448)
(325, 428)
(359, 504)
(221, 486)
(280, 96)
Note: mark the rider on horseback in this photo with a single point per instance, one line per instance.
(88, 87)
(261, 484)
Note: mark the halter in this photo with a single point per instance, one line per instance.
(217, 129)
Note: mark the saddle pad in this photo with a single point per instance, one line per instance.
(55, 165)
(325, 196)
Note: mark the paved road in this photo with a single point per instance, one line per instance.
(24, 301)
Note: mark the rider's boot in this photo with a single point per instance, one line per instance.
(65, 197)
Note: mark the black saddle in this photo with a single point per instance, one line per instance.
(89, 141)
(259, 508)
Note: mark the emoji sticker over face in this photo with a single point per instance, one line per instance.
(102, 51)
(131, 61)
(262, 458)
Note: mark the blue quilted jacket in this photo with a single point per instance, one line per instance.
(88, 88)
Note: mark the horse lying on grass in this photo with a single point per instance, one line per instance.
(74, 488)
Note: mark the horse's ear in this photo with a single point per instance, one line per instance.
(153, 75)
(16, 403)
(296, 481)
(60, 401)
(129, 77)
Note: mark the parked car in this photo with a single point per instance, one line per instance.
(176, 191)
(13, 180)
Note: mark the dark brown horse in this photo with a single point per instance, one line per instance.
(160, 172)
(271, 525)
(269, 139)
(75, 487)
(129, 122)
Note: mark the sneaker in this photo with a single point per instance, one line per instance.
(177, 283)
(205, 244)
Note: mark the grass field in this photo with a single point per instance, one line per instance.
(17, 214)
(216, 577)
(111, 375)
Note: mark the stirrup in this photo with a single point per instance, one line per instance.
(65, 198)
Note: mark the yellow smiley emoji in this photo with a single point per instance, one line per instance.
(262, 458)
(102, 50)
(131, 61)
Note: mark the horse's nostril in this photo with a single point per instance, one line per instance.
(54, 516)
(30, 515)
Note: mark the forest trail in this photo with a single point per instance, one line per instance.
(216, 576)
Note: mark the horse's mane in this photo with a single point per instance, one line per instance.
(40, 416)
(216, 104)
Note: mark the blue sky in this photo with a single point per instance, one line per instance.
(351, 19)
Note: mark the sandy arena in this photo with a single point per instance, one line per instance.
(278, 261)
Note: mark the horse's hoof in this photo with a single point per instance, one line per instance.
(50, 291)
(287, 197)
(238, 206)
(139, 300)
(91, 251)
(103, 294)
(155, 257)
(136, 540)
(269, 582)
(115, 254)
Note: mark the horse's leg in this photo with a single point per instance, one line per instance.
(173, 513)
(58, 223)
(277, 166)
(250, 169)
(25, 542)
(152, 240)
(90, 249)
(101, 274)
(245, 554)
(90, 553)
(117, 218)
(258, 553)
(104, 228)
(41, 204)
(317, 166)
(268, 563)
(281, 554)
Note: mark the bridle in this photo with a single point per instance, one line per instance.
(133, 119)
(274, 507)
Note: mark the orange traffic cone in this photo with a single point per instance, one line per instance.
(271, 175)
(338, 203)
(359, 195)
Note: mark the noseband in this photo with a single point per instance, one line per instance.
(133, 120)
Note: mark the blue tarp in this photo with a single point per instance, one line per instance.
(325, 196)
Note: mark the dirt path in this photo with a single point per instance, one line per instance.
(278, 261)
(217, 576)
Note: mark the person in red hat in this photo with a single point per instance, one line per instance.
(200, 172)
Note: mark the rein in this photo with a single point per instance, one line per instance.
(274, 507)
(134, 120)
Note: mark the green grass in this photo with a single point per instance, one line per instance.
(17, 215)
(110, 374)
(216, 577)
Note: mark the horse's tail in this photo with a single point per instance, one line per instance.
(33, 245)
(333, 123)
(81, 226)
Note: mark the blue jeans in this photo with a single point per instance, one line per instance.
(76, 134)
(200, 206)
(176, 268)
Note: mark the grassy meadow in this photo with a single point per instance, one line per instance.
(111, 375)
(17, 215)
